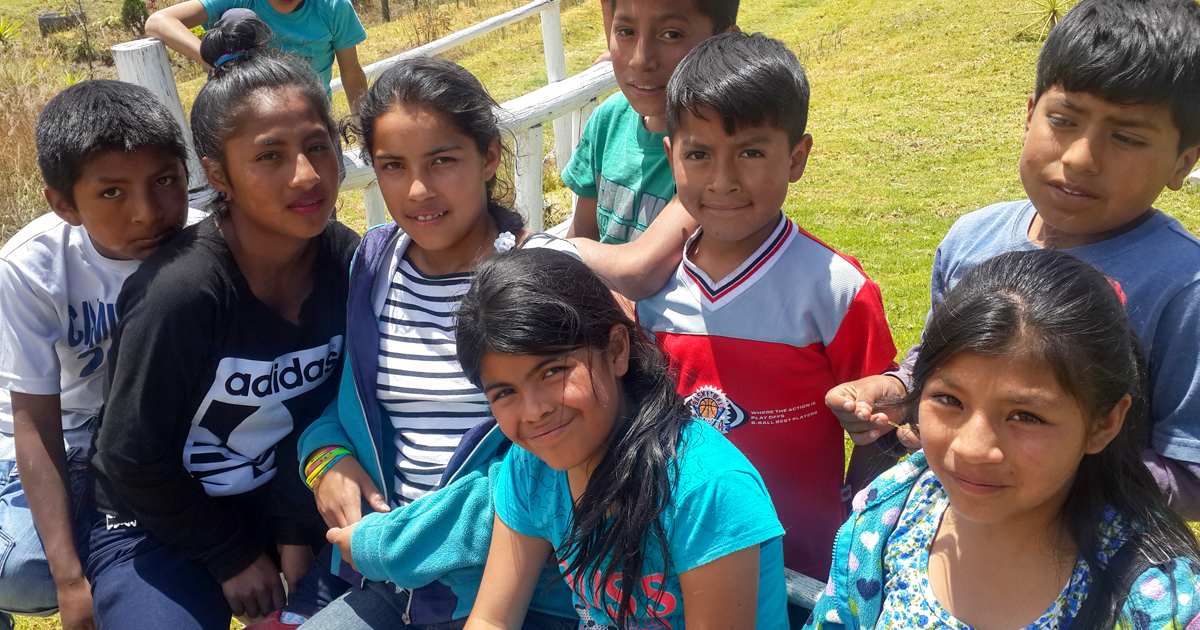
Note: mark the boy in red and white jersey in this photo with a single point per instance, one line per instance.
(761, 318)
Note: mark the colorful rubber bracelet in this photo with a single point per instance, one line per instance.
(329, 459)
(323, 453)
(319, 462)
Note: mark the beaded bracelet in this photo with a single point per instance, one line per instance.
(321, 461)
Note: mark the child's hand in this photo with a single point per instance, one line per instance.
(340, 491)
(294, 561)
(341, 536)
(256, 591)
(75, 605)
(854, 405)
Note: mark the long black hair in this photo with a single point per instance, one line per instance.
(448, 90)
(1068, 313)
(243, 68)
(543, 302)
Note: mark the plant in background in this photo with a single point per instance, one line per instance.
(1046, 15)
(133, 16)
(70, 78)
(8, 32)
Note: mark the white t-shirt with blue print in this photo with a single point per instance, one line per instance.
(719, 505)
(1156, 264)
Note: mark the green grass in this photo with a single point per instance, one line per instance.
(917, 112)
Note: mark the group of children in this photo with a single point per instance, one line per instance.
(456, 422)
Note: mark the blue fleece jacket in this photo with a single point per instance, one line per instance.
(437, 545)
(854, 597)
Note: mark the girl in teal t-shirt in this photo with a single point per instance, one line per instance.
(655, 520)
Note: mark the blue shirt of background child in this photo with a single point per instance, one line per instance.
(719, 505)
(313, 31)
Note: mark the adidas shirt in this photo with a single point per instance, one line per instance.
(754, 354)
(209, 390)
(421, 386)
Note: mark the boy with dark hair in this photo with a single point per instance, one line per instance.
(761, 318)
(113, 159)
(1114, 120)
(619, 171)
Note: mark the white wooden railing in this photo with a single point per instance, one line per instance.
(567, 101)
(1194, 178)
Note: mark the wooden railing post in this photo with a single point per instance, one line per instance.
(144, 62)
(556, 70)
(529, 177)
(1194, 178)
(376, 208)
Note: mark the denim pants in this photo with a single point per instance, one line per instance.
(380, 606)
(140, 582)
(26, 586)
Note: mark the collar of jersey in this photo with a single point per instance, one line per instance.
(718, 294)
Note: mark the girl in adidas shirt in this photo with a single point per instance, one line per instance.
(655, 519)
(405, 405)
(1029, 506)
(231, 343)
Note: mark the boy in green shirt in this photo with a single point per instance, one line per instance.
(620, 169)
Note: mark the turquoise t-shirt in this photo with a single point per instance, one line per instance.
(313, 31)
(719, 505)
(624, 168)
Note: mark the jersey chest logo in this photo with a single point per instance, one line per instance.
(710, 404)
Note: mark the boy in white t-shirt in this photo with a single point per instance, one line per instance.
(113, 160)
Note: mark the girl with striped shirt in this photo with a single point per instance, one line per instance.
(430, 130)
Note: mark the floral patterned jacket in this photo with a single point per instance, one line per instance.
(853, 598)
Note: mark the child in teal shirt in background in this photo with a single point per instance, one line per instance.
(317, 30)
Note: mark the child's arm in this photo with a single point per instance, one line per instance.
(172, 26)
(514, 563)
(639, 269)
(42, 460)
(353, 77)
(723, 594)
(583, 224)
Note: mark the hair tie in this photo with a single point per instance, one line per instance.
(226, 57)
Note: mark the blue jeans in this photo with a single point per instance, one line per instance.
(379, 606)
(135, 576)
(26, 586)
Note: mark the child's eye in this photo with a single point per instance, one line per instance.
(320, 146)
(391, 166)
(1027, 418)
(672, 34)
(947, 399)
(268, 156)
(695, 155)
(623, 31)
(1056, 121)
(445, 159)
(166, 180)
(1128, 140)
(752, 153)
(554, 369)
(111, 193)
(502, 393)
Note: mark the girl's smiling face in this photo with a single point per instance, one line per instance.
(563, 408)
(1004, 438)
(432, 176)
(280, 172)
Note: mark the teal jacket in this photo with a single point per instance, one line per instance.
(853, 598)
(436, 546)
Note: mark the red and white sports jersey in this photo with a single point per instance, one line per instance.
(754, 355)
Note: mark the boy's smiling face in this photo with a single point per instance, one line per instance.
(733, 185)
(130, 203)
(649, 38)
(1092, 167)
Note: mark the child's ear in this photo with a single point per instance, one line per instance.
(617, 351)
(1029, 105)
(1108, 426)
(670, 161)
(800, 158)
(491, 160)
(63, 208)
(216, 177)
(732, 28)
(1183, 167)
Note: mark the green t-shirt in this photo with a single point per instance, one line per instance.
(313, 32)
(624, 168)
